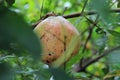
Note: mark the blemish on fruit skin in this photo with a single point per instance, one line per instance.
(55, 49)
(47, 40)
(48, 49)
(61, 51)
(49, 54)
(42, 36)
(47, 61)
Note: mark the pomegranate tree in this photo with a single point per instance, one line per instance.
(57, 36)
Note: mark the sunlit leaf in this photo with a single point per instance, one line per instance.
(112, 74)
(116, 36)
(114, 33)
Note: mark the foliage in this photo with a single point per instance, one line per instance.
(20, 50)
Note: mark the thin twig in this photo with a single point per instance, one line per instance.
(84, 47)
(64, 10)
(106, 52)
(88, 13)
(82, 12)
(102, 55)
(79, 14)
(88, 38)
(85, 4)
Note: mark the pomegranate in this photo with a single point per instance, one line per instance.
(57, 36)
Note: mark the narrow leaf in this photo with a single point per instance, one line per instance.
(118, 5)
(10, 2)
(112, 74)
(114, 33)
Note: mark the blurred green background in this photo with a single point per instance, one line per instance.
(20, 49)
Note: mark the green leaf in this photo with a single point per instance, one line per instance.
(113, 57)
(99, 40)
(116, 36)
(112, 74)
(13, 28)
(118, 5)
(113, 60)
(6, 72)
(103, 9)
(59, 74)
(10, 2)
(114, 33)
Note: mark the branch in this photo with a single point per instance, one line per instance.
(89, 36)
(88, 13)
(106, 52)
(79, 14)
(84, 46)
(75, 15)
(85, 4)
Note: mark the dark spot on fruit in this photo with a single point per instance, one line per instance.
(55, 49)
(50, 53)
(61, 51)
(47, 39)
(47, 61)
(65, 36)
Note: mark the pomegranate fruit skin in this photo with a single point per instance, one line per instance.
(55, 34)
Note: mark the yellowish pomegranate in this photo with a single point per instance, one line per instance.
(59, 39)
